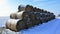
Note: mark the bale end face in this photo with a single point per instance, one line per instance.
(13, 15)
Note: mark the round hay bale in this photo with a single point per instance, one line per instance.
(15, 25)
(21, 8)
(16, 15)
(29, 8)
(13, 16)
(20, 15)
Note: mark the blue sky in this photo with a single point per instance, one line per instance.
(9, 6)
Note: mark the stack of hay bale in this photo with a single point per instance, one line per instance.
(27, 17)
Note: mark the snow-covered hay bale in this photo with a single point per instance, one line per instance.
(15, 25)
(16, 15)
(11, 24)
(13, 15)
(20, 14)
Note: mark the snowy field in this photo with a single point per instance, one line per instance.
(50, 27)
(3, 21)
